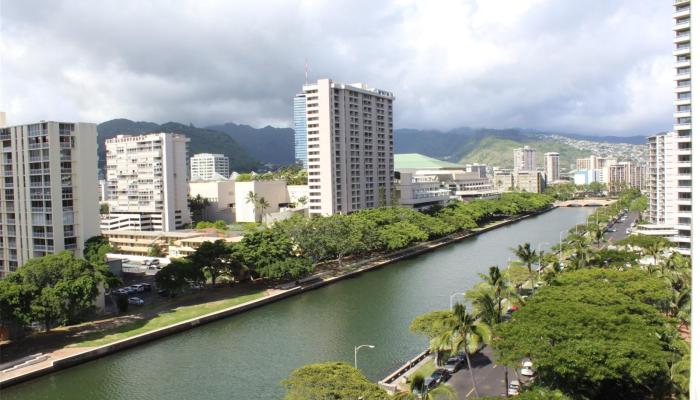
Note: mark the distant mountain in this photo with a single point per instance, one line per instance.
(495, 146)
(267, 145)
(201, 140)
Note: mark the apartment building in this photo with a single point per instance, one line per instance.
(551, 166)
(48, 201)
(350, 146)
(147, 182)
(206, 166)
(624, 175)
(300, 130)
(594, 162)
(524, 159)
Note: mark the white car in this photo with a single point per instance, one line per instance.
(135, 301)
(527, 370)
(514, 388)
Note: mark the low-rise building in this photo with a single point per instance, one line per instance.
(419, 191)
(528, 181)
(139, 243)
(185, 247)
(273, 194)
(221, 197)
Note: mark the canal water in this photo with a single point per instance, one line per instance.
(246, 356)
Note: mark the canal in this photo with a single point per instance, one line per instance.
(246, 356)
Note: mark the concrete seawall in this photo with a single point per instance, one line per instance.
(378, 262)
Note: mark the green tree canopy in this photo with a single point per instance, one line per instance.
(54, 289)
(593, 333)
(333, 380)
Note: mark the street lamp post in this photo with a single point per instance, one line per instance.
(358, 348)
(538, 251)
(560, 246)
(452, 296)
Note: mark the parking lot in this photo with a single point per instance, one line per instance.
(490, 378)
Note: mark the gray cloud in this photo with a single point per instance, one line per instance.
(580, 66)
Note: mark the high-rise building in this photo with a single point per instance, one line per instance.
(206, 166)
(624, 175)
(48, 201)
(300, 130)
(350, 146)
(551, 166)
(147, 182)
(524, 159)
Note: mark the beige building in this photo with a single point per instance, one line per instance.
(551, 166)
(187, 246)
(274, 192)
(139, 243)
(528, 181)
(420, 191)
(147, 182)
(524, 159)
(624, 174)
(221, 197)
(49, 197)
(350, 146)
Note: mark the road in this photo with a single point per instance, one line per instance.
(621, 227)
(490, 378)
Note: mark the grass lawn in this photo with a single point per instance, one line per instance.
(425, 369)
(161, 320)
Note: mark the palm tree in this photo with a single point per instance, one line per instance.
(655, 250)
(598, 234)
(487, 299)
(418, 391)
(302, 200)
(528, 256)
(262, 205)
(253, 199)
(470, 335)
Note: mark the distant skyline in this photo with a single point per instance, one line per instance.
(595, 67)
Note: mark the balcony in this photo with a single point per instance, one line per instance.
(682, 12)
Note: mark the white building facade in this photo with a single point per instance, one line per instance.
(147, 182)
(206, 166)
(350, 146)
(48, 201)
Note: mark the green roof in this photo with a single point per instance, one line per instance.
(419, 161)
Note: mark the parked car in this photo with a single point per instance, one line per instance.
(135, 301)
(139, 288)
(129, 289)
(146, 286)
(453, 364)
(119, 291)
(527, 370)
(514, 388)
(439, 376)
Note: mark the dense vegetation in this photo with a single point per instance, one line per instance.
(52, 290)
(332, 380)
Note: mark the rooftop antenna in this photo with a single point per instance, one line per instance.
(306, 72)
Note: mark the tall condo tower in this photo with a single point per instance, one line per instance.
(551, 166)
(524, 159)
(48, 201)
(300, 130)
(350, 143)
(147, 182)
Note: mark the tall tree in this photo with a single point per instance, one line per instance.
(332, 380)
(198, 206)
(528, 256)
(213, 258)
(469, 335)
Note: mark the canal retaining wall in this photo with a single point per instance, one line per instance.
(378, 262)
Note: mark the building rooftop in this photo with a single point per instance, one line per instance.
(419, 161)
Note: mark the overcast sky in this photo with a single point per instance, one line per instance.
(585, 66)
